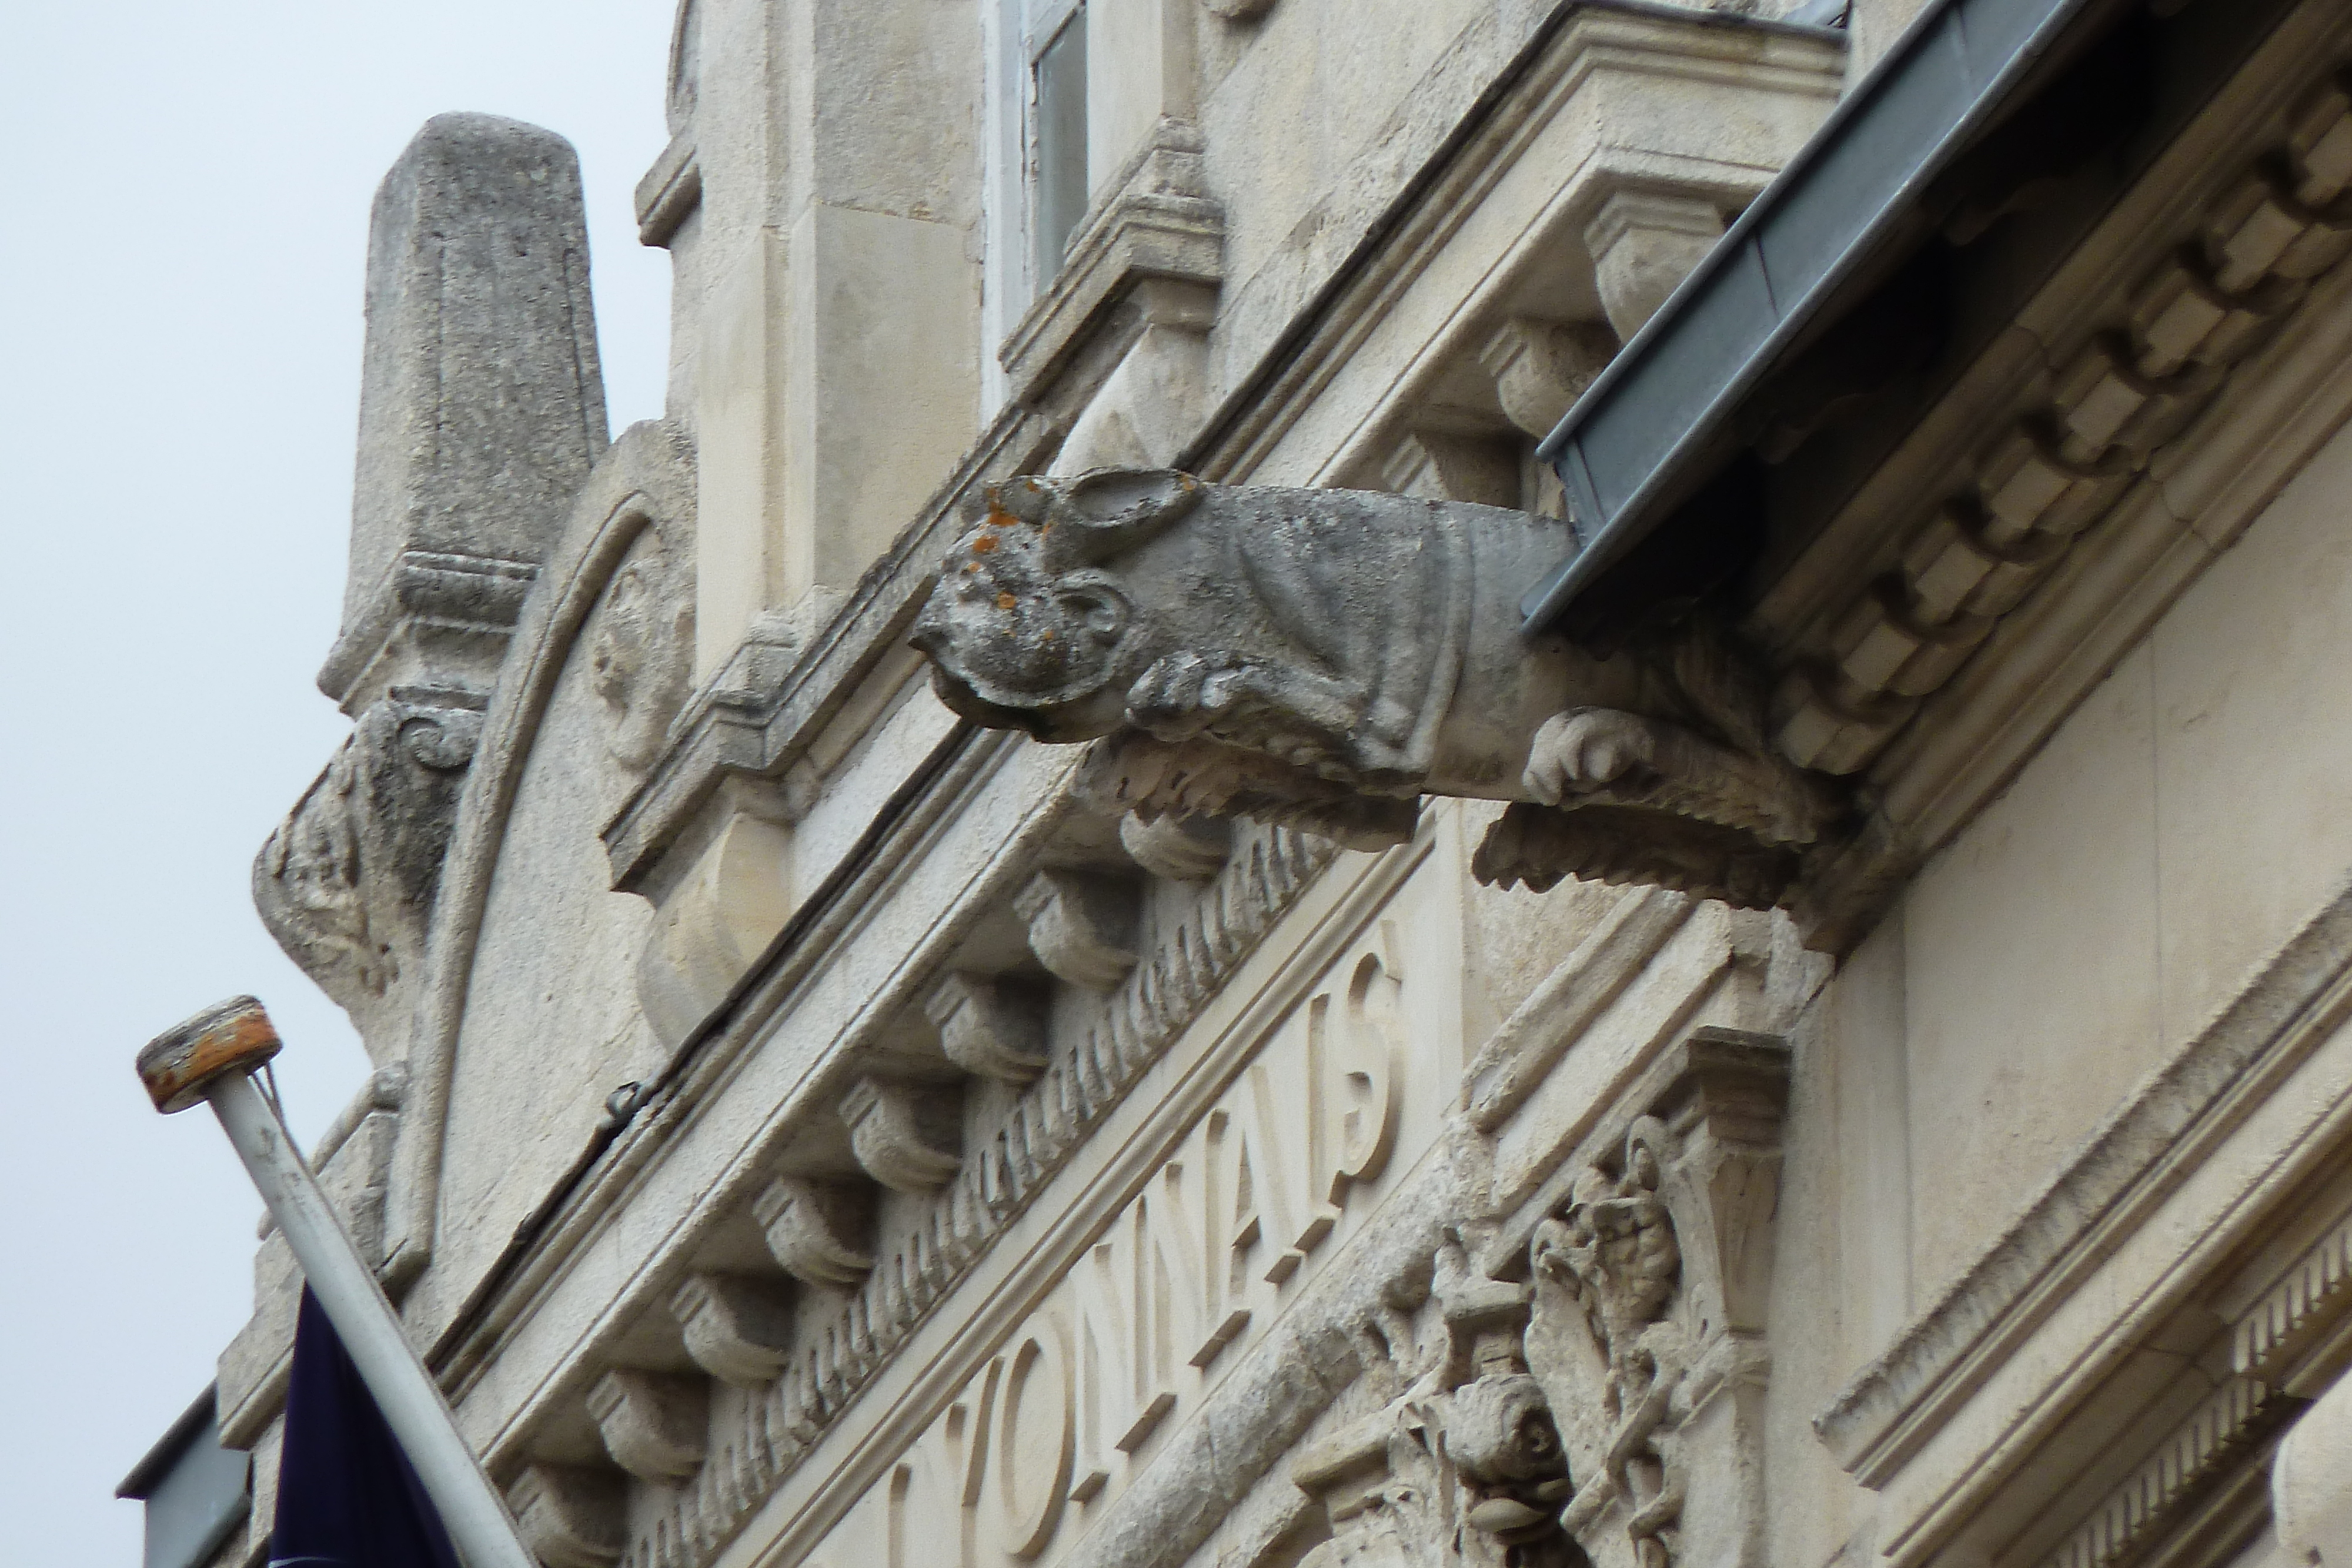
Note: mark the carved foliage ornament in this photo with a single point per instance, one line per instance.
(1464, 1465)
(1648, 1322)
(1609, 1414)
(1324, 657)
(346, 881)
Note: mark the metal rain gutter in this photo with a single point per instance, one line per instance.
(1629, 440)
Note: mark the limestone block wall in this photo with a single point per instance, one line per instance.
(2163, 846)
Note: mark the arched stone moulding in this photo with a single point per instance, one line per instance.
(645, 480)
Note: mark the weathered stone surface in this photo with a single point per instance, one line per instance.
(481, 410)
(1286, 655)
(347, 882)
(481, 402)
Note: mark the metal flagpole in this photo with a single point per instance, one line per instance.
(212, 1057)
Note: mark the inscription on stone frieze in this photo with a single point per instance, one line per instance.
(1149, 1315)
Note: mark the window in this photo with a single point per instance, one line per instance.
(1058, 129)
(1037, 186)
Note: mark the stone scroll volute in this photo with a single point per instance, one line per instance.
(346, 882)
(1324, 658)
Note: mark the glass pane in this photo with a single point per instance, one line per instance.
(1061, 175)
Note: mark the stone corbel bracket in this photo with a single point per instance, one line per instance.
(571, 1516)
(988, 1028)
(655, 1426)
(1081, 926)
(738, 1330)
(893, 1129)
(809, 1226)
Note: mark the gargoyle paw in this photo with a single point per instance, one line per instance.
(1586, 750)
(1183, 695)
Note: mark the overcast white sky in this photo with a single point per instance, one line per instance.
(182, 228)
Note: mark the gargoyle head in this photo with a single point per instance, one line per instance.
(1029, 627)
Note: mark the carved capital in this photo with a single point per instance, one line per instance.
(740, 1330)
(1649, 1330)
(810, 1228)
(1471, 1440)
(655, 1426)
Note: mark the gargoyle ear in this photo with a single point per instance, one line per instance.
(1099, 610)
(1111, 510)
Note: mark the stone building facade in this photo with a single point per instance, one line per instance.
(1510, 915)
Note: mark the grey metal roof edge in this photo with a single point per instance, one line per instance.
(1912, 75)
(159, 1457)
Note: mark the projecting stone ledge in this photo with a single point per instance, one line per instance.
(1322, 658)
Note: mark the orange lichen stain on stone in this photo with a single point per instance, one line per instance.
(1006, 601)
(983, 544)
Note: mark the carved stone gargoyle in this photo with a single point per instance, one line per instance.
(1325, 657)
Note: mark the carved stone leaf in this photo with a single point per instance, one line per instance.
(346, 881)
(1540, 845)
(1152, 778)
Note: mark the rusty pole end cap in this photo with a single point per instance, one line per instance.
(178, 1065)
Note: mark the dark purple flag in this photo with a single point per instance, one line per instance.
(346, 1495)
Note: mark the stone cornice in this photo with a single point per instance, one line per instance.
(1156, 223)
(1989, 570)
(1507, 88)
(1153, 1004)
